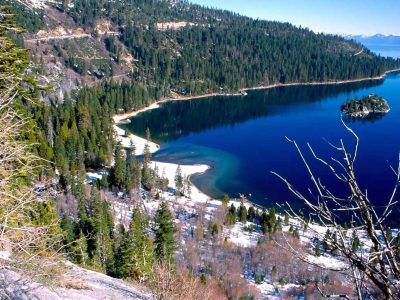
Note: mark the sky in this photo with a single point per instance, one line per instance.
(365, 17)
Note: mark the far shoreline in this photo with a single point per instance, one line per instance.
(121, 118)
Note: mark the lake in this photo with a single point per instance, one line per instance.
(243, 139)
(386, 50)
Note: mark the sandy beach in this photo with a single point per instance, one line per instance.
(131, 140)
(119, 118)
(169, 170)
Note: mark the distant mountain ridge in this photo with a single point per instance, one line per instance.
(381, 39)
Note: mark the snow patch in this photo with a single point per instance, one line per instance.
(36, 4)
(134, 141)
(173, 25)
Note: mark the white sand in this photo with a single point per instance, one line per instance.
(139, 143)
(169, 170)
(128, 140)
(120, 117)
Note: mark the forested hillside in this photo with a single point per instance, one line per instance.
(189, 49)
(89, 60)
(152, 49)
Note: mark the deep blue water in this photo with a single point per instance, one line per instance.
(243, 139)
(386, 50)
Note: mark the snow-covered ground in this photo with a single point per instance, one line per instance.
(173, 25)
(235, 233)
(187, 205)
(169, 170)
(131, 140)
(36, 4)
(121, 117)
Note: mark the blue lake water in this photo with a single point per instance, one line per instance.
(243, 138)
(386, 50)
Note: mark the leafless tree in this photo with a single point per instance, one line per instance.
(167, 284)
(376, 259)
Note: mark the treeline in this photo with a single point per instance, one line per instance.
(222, 51)
(218, 51)
(180, 118)
(72, 136)
(92, 237)
(78, 134)
(29, 18)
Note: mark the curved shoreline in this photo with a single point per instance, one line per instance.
(169, 170)
(119, 118)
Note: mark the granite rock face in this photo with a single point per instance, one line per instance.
(79, 284)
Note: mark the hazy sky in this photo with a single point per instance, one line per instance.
(332, 16)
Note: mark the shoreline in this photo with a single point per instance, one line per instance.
(194, 169)
(380, 77)
(133, 141)
(169, 169)
(120, 118)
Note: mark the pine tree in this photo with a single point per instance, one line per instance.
(326, 240)
(69, 228)
(164, 181)
(296, 233)
(278, 225)
(188, 188)
(243, 213)
(124, 255)
(356, 242)
(231, 216)
(286, 219)
(118, 171)
(251, 214)
(132, 177)
(79, 249)
(317, 250)
(102, 229)
(225, 199)
(334, 250)
(146, 156)
(143, 256)
(178, 181)
(271, 219)
(148, 180)
(164, 234)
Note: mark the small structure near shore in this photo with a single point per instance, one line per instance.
(364, 107)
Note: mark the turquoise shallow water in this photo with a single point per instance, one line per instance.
(243, 138)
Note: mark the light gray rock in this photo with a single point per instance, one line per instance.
(89, 285)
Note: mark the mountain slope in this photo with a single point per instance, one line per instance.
(188, 49)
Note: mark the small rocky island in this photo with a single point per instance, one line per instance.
(366, 106)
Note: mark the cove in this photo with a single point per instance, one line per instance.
(243, 139)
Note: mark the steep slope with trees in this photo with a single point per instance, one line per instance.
(210, 51)
(215, 51)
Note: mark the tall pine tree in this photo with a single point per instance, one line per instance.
(164, 234)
